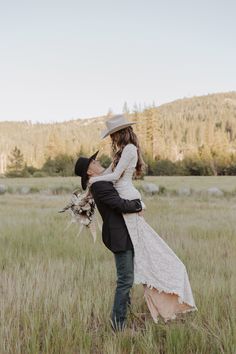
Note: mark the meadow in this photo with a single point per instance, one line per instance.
(57, 288)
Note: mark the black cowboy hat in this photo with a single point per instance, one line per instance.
(81, 168)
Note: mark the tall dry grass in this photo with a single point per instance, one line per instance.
(57, 289)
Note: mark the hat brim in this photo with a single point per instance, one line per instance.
(106, 132)
(84, 177)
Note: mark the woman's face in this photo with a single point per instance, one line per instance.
(114, 137)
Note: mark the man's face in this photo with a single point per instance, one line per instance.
(95, 168)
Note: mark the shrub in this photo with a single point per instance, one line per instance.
(61, 190)
(196, 167)
(105, 160)
(39, 174)
(31, 169)
(164, 168)
(231, 170)
(34, 190)
(61, 165)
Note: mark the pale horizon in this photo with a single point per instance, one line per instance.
(114, 112)
(70, 60)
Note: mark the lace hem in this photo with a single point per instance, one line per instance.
(161, 289)
(174, 316)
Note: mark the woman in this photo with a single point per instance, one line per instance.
(166, 285)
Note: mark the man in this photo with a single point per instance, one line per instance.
(114, 232)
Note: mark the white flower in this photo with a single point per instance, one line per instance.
(82, 209)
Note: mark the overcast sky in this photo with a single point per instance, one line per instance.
(62, 60)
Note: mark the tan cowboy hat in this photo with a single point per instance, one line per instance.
(114, 124)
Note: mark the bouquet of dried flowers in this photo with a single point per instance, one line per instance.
(82, 209)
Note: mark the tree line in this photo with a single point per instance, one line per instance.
(174, 131)
(202, 163)
(60, 165)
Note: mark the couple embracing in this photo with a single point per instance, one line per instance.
(141, 255)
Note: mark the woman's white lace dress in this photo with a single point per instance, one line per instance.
(167, 288)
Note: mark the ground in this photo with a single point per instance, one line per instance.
(57, 288)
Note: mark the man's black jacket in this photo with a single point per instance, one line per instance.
(114, 231)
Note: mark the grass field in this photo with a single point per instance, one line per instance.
(226, 183)
(57, 289)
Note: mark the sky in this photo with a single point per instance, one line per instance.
(63, 60)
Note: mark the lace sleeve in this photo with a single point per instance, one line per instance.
(129, 152)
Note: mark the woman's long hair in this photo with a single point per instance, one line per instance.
(120, 139)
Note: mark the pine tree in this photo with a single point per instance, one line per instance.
(54, 144)
(109, 113)
(125, 109)
(16, 164)
(149, 131)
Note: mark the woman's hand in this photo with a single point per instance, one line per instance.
(141, 213)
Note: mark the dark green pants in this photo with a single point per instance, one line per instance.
(125, 277)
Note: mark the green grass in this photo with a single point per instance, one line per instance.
(57, 289)
(45, 183)
(197, 183)
(60, 185)
(170, 182)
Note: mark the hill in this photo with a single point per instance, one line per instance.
(170, 131)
